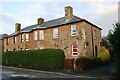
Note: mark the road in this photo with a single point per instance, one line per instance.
(10, 73)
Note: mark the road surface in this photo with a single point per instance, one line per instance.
(11, 73)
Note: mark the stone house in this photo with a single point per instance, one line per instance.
(75, 36)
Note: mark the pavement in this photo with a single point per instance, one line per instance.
(101, 73)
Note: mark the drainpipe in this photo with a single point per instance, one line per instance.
(92, 40)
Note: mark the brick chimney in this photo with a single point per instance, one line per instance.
(40, 21)
(17, 27)
(68, 13)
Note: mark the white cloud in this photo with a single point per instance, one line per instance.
(44, 10)
(104, 15)
(101, 13)
(7, 16)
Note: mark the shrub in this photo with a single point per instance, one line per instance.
(104, 55)
(68, 63)
(87, 63)
(44, 59)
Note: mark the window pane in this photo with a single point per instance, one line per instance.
(56, 47)
(27, 37)
(41, 35)
(22, 37)
(35, 35)
(74, 46)
(14, 39)
(7, 40)
(74, 53)
(74, 50)
(73, 30)
(55, 33)
(94, 34)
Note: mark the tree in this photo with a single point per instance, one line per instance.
(105, 42)
(114, 39)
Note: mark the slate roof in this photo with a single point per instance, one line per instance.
(2, 36)
(50, 24)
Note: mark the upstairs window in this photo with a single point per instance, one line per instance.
(73, 30)
(22, 38)
(14, 40)
(94, 34)
(41, 35)
(27, 37)
(7, 41)
(55, 33)
(35, 35)
(74, 49)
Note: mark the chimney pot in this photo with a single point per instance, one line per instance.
(40, 21)
(17, 27)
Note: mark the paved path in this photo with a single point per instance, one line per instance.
(11, 73)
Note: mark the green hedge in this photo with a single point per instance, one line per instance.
(88, 63)
(44, 59)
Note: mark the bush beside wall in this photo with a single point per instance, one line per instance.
(104, 55)
(45, 59)
(89, 63)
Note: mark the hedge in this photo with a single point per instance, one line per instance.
(88, 63)
(44, 59)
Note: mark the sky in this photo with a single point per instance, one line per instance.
(103, 13)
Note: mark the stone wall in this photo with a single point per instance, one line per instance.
(64, 41)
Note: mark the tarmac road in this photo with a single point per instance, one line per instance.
(12, 73)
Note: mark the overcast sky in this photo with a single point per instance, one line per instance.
(102, 13)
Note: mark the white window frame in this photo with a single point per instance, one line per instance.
(41, 35)
(27, 37)
(22, 38)
(55, 33)
(35, 35)
(74, 52)
(72, 30)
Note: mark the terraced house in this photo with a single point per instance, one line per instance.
(75, 36)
